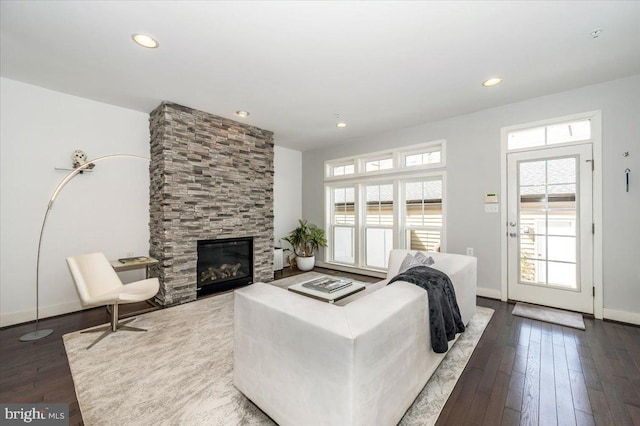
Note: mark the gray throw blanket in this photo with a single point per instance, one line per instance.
(444, 315)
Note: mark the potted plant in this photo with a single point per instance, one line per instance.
(305, 241)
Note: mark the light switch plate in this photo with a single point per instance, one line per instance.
(491, 208)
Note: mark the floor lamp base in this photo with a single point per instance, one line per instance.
(35, 335)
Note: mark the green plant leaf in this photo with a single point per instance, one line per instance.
(306, 239)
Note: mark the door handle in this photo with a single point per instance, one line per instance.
(512, 224)
(513, 234)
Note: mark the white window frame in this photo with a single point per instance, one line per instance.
(363, 230)
(330, 225)
(404, 228)
(431, 147)
(363, 163)
(398, 155)
(329, 168)
(595, 126)
(395, 175)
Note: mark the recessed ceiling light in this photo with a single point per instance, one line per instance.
(492, 82)
(596, 33)
(242, 114)
(145, 40)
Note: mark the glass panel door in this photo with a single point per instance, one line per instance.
(550, 244)
(547, 213)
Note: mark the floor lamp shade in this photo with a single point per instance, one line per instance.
(39, 334)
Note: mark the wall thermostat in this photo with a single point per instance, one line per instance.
(491, 198)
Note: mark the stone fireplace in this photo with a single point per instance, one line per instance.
(211, 178)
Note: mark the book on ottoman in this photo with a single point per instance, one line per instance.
(327, 284)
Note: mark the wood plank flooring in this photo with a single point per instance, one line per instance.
(527, 372)
(523, 372)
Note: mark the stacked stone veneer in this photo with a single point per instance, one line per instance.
(210, 178)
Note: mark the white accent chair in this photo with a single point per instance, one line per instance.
(98, 284)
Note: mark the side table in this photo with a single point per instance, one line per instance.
(121, 267)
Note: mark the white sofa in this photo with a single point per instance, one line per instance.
(307, 362)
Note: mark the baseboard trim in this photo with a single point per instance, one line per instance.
(622, 316)
(13, 318)
(489, 292)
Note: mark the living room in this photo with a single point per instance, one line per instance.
(56, 99)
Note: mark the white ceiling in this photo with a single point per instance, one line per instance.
(294, 65)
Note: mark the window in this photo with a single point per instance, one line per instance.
(429, 155)
(378, 226)
(342, 169)
(343, 222)
(386, 200)
(417, 157)
(423, 214)
(571, 131)
(548, 221)
(375, 165)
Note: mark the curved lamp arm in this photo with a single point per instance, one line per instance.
(38, 334)
(85, 166)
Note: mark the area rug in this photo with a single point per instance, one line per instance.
(180, 372)
(554, 316)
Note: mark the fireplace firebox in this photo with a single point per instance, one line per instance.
(224, 264)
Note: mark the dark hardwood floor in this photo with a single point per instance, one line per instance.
(529, 372)
(522, 372)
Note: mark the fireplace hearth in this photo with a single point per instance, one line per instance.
(224, 264)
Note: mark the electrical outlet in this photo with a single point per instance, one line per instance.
(129, 254)
(469, 251)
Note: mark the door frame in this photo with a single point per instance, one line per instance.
(596, 141)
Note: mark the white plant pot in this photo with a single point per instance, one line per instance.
(305, 263)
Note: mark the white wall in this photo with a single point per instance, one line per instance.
(473, 169)
(105, 210)
(287, 191)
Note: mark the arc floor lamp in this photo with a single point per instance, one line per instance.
(39, 334)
